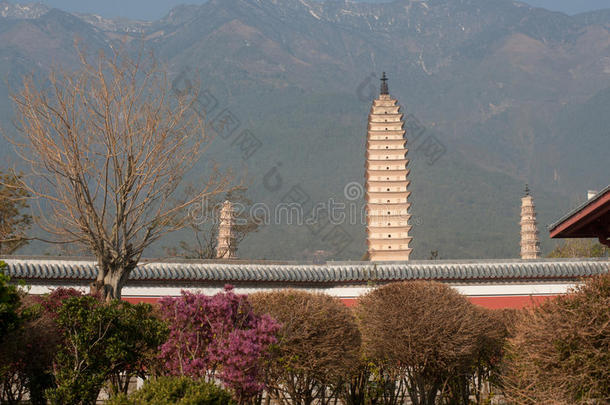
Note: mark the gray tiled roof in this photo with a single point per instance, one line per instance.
(333, 272)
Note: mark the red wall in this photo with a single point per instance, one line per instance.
(516, 302)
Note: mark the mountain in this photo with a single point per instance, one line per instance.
(115, 25)
(18, 11)
(512, 93)
(33, 39)
(569, 6)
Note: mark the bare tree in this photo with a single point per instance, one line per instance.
(109, 146)
(560, 351)
(424, 335)
(475, 379)
(319, 344)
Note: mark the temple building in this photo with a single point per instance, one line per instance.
(387, 185)
(530, 244)
(589, 220)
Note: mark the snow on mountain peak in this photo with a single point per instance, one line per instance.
(22, 11)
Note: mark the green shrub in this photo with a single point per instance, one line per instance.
(105, 345)
(10, 300)
(175, 390)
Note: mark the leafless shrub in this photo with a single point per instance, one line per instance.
(318, 345)
(560, 351)
(429, 342)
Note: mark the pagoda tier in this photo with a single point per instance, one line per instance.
(387, 185)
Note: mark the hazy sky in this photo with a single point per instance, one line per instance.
(153, 9)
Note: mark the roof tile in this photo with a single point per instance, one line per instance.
(57, 269)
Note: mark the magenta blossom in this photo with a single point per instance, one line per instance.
(218, 337)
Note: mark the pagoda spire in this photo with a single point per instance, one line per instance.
(384, 84)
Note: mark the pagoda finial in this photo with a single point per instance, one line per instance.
(384, 84)
(527, 189)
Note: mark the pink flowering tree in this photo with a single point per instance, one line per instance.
(51, 302)
(218, 338)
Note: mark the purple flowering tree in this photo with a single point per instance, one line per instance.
(218, 338)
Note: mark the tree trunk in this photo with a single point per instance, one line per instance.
(110, 281)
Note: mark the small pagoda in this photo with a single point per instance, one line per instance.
(225, 248)
(387, 185)
(530, 245)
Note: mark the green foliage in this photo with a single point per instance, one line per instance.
(102, 340)
(9, 304)
(12, 318)
(27, 354)
(82, 364)
(579, 248)
(132, 348)
(13, 222)
(175, 390)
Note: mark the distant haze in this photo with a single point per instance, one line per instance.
(155, 9)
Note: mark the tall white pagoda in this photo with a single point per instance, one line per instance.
(386, 181)
(530, 245)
